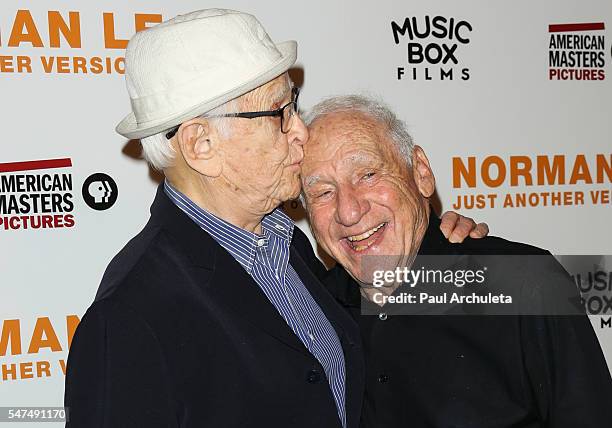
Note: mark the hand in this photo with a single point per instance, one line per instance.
(456, 227)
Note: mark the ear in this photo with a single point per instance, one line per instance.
(423, 176)
(199, 144)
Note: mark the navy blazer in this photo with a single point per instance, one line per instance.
(181, 336)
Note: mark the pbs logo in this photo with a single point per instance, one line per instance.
(100, 191)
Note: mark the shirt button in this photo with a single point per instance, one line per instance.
(383, 378)
(279, 227)
(382, 316)
(260, 242)
(313, 376)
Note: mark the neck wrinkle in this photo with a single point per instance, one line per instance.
(218, 199)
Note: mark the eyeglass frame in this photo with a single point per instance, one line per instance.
(279, 112)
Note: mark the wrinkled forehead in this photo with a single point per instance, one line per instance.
(343, 162)
(345, 138)
(272, 93)
(340, 144)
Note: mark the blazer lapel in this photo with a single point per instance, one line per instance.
(220, 276)
(232, 285)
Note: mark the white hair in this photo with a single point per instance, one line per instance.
(159, 153)
(157, 150)
(373, 107)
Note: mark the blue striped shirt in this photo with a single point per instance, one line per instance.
(266, 258)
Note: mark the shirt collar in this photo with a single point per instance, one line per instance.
(278, 223)
(240, 243)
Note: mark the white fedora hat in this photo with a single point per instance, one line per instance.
(190, 64)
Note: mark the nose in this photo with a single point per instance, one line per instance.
(350, 207)
(298, 134)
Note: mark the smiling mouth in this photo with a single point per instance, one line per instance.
(366, 239)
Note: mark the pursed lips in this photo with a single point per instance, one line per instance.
(297, 162)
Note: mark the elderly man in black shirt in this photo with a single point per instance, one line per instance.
(366, 188)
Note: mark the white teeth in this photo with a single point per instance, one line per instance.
(366, 234)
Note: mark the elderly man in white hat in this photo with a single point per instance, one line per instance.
(212, 316)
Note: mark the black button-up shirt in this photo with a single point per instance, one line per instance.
(478, 371)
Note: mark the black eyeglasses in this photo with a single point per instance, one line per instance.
(286, 114)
